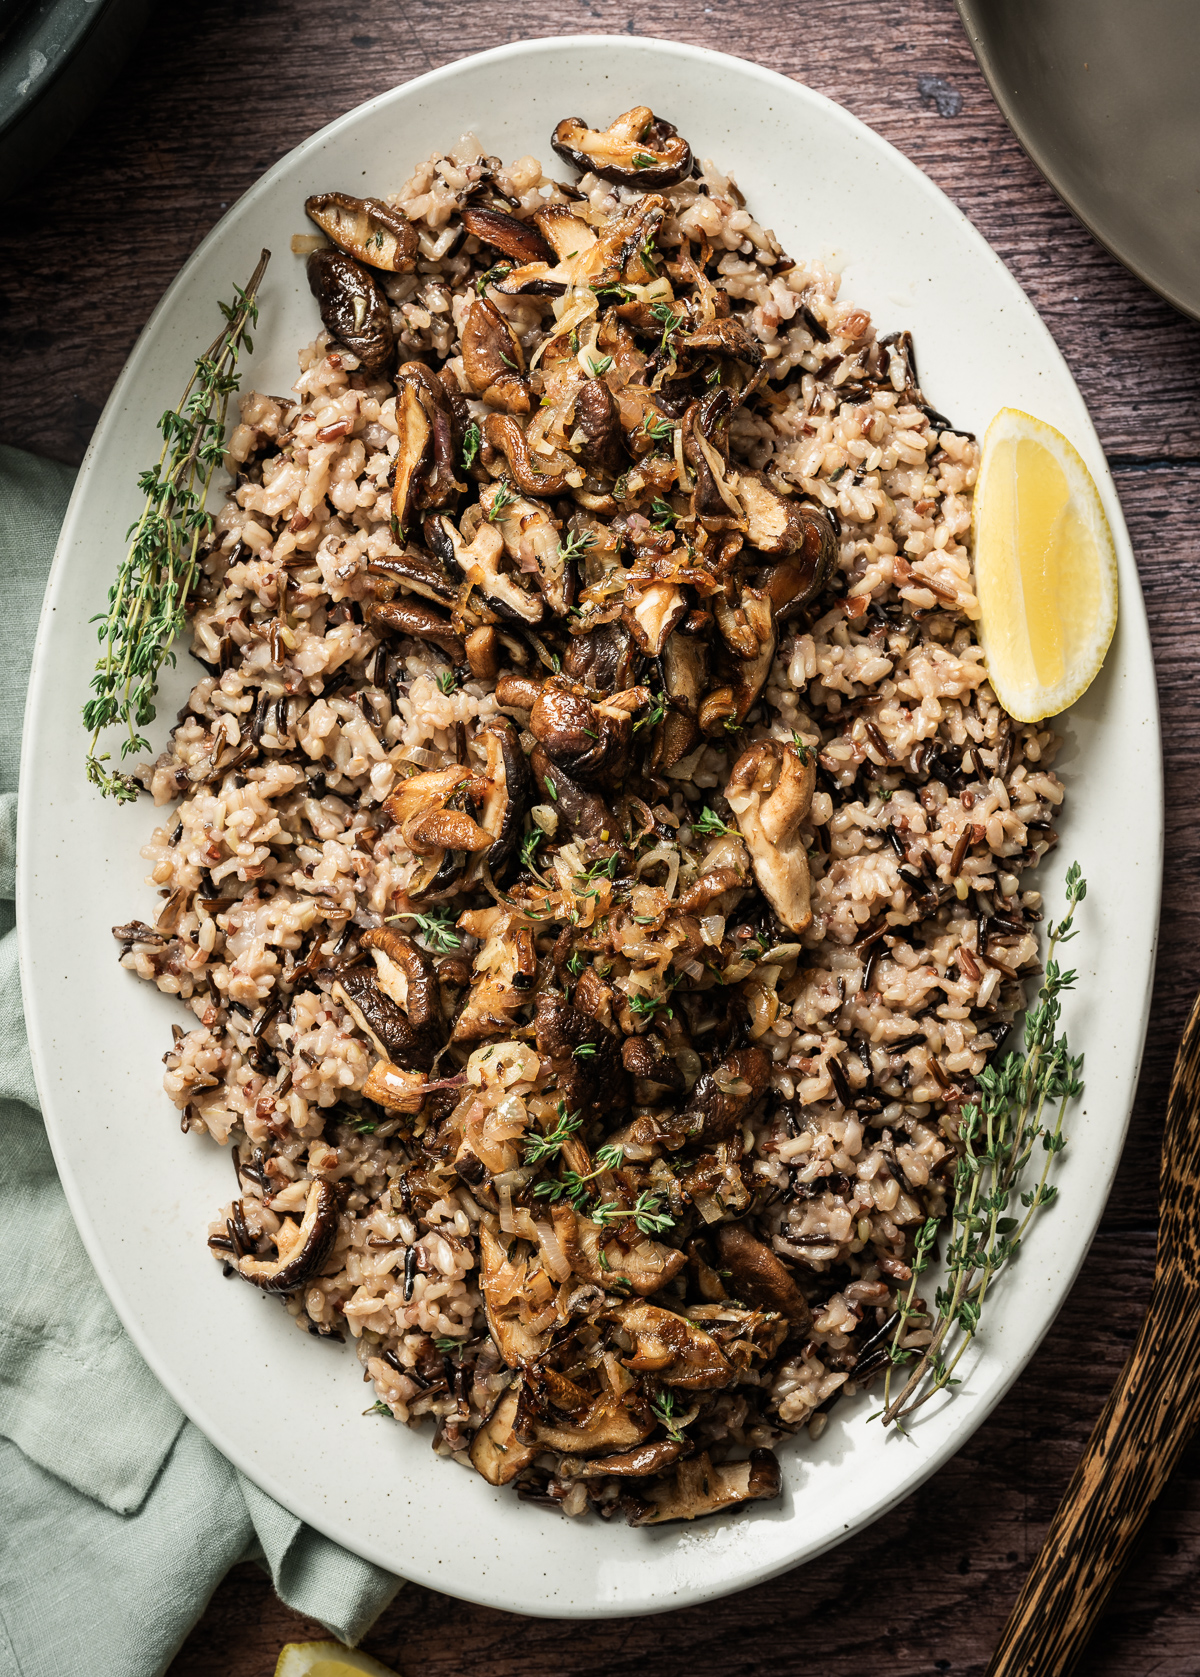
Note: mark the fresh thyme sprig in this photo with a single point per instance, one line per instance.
(575, 545)
(663, 1409)
(437, 930)
(539, 1148)
(571, 1185)
(148, 600)
(999, 1132)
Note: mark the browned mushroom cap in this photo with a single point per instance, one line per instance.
(652, 612)
(438, 483)
(674, 1350)
(379, 1017)
(706, 447)
(482, 648)
(605, 659)
(723, 337)
(697, 1488)
(800, 577)
(646, 1057)
(410, 617)
(424, 576)
(770, 791)
(609, 1424)
(585, 813)
(587, 740)
(724, 1097)
(509, 795)
(419, 807)
(518, 239)
(407, 975)
(493, 360)
(353, 308)
(759, 1276)
(775, 524)
(560, 1030)
(504, 434)
(597, 416)
(518, 692)
(371, 231)
(496, 1451)
(479, 560)
(301, 1248)
(532, 279)
(749, 631)
(712, 884)
(637, 1463)
(685, 669)
(637, 149)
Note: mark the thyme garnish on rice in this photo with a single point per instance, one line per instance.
(147, 602)
(999, 1132)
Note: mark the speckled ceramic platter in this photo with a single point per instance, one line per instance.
(1102, 95)
(285, 1408)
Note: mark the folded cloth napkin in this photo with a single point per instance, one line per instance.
(119, 1519)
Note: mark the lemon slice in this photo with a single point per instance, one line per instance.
(327, 1659)
(1045, 567)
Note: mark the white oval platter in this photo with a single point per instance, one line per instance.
(285, 1408)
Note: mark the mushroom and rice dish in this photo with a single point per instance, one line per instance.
(594, 872)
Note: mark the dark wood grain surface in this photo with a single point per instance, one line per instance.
(212, 95)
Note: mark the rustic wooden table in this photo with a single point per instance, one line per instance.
(212, 95)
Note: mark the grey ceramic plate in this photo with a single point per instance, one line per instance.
(1102, 95)
(56, 59)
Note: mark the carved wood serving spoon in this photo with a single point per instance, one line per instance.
(1146, 1423)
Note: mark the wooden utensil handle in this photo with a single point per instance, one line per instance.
(1148, 1419)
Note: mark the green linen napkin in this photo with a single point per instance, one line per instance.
(119, 1517)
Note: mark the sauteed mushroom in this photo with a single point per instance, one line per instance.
(770, 791)
(371, 231)
(514, 238)
(353, 308)
(301, 1248)
(493, 359)
(637, 149)
(698, 1487)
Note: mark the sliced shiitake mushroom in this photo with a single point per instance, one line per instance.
(770, 790)
(422, 622)
(496, 1451)
(723, 1098)
(636, 149)
(354, 309)
(368, 229)
(493, 359)
(699, 1487)
(759, 1275)
(301, 1248)
(518, 239)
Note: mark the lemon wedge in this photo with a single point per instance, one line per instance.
(1045, 567)
(327, 1659)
